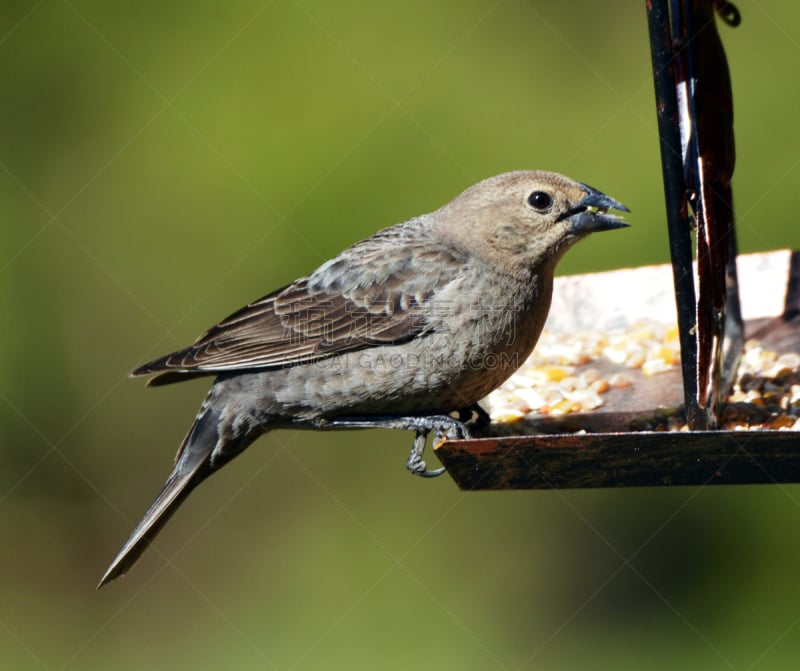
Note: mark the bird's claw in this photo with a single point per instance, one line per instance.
(415, 463)
(443, 427)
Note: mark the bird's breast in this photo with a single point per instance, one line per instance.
(487, 332)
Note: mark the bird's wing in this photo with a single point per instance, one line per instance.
(373, 293)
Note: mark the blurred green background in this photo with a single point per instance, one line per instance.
(161, 164)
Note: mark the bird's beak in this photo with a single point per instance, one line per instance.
(591, 215)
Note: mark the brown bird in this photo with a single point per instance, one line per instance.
(408, 329)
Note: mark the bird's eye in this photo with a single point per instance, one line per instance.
(540, 200)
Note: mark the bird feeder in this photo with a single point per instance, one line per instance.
(715, 299)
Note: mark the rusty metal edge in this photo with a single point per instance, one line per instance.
(640, 459)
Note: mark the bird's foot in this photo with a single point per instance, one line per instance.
(415, 463)
(453, 426)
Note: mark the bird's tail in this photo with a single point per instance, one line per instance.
(192, 466)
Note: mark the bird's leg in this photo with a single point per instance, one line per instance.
(443, 426)
(455, 425)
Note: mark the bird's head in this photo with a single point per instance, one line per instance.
(526, 218)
